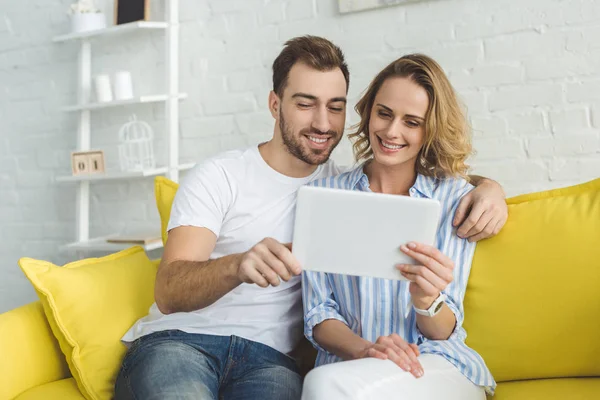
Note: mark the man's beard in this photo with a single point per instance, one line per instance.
(306, 154)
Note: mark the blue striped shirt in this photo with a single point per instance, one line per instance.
(374, 307)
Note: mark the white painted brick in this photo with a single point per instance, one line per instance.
(255, 123)
(271, 13)
(560, 67)
(583, 91)
(216, 25)
(457, 56)
(297, 10)
(498, 148)
(10, 198)
(392, 18)
(230, 104)
(197, 10)
(526, 124)
(596, 115)
(234, 141)
(526, 96)
(32, 179)
(524, 46)
(476, 102)
(198, 149)
(237, 59)
(331, 31)
(584, 168)
(493, 75)
(425, 12)
(244, 81)
(23, 231)
(263, 37)
(241, 23)
(8, 165)
(581, 11)
(574, 145)
(208, 126)
(477, 27)
(513, 171)
(488, 126)
(416, 36)
(327, 9)
(10, 214)
(569, 120)
(228, 6)
(540, 146)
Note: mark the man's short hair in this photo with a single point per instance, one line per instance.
(316, 52)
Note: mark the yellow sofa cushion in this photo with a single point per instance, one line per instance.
(164, 191)
(532, 306)
(65, 389)
(550, 389)
(29, 352)
(90, 304)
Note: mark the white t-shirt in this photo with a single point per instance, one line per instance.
(240, 198)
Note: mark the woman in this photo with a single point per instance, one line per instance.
(385, 339)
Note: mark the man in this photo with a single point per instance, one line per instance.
(228, 299)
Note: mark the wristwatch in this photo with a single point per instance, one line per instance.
(434, 308)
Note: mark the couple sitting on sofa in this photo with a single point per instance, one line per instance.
(227, 319)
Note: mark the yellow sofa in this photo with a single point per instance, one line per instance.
(532, 306)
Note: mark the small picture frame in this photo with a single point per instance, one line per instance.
(87, 162)
(131, 10)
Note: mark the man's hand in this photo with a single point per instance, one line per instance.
(486, 209)
(268, 262)
(395, 349)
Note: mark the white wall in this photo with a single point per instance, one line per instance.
(529, 71)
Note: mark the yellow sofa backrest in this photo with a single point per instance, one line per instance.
(532, 307)
(164, 192)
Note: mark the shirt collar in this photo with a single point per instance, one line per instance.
(425, 185)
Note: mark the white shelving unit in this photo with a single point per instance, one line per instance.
(84, 106)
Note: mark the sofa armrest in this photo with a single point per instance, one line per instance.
(30, 353)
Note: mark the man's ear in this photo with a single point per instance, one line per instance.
(274, 104)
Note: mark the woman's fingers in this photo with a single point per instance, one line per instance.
(403, 344)
(440, 283)
(425, 286)
(430, 257)
(377, 353)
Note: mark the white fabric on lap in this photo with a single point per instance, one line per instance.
(371, 378)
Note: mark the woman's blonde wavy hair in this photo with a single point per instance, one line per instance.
(447, 142)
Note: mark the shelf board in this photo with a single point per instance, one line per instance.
(100, 244)
(116, 175)
(136, 100)
(112, 30)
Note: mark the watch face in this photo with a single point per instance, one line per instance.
(439, 306)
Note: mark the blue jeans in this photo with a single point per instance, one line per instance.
(177, 365)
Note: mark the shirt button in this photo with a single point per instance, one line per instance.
(412, 190)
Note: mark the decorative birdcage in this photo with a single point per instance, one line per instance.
(136, 151)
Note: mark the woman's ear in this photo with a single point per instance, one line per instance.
(274, 104)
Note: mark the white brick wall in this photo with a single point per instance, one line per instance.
(529, 72)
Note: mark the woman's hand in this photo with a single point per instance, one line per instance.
(395, 349)
(428, 279)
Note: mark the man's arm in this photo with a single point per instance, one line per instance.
(187, 280)
(483, 212)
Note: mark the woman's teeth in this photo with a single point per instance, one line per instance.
(392, 146)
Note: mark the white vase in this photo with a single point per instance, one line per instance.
(83, 22)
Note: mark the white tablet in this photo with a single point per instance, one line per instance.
(360, 233)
